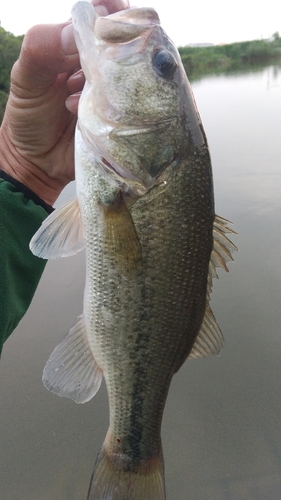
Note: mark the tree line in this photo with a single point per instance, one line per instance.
(215, 59)
(9, 51)
(197, 61)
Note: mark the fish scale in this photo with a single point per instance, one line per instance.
(149, 314)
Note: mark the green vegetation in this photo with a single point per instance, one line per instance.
(197, 61)
(9, 50)
(200, 61)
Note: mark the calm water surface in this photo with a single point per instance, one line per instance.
(222, 423)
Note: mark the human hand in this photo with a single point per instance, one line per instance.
(37, 132)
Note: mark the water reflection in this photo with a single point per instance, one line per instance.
(222, 424)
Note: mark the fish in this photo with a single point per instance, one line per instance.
(144, 212)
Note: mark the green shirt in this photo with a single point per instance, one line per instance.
(21, 214)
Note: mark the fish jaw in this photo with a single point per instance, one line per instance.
(127, 25)
(132, 118)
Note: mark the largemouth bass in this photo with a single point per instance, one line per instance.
(145, 214)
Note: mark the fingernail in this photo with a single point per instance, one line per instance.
(72, 101)
(101, 10)
(79, 75)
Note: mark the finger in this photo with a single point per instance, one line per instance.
(72, 102)
(111, 6)
(76, 82)
(47, 50)
(101, 10)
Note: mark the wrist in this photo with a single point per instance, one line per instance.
(27, 173)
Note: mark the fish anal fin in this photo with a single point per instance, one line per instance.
(61, 234)
(71, 370)
(121, 239)
(209, 339)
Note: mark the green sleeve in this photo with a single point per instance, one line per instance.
(20, 270)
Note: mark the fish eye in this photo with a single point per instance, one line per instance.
(164, 63)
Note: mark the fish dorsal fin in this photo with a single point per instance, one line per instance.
(210, 338)
(222, 250)
(61, 234)
(71, 370)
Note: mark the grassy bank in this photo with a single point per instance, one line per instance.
(200, 61)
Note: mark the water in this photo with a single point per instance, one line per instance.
(222, 423)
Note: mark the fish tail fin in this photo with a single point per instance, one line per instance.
(112, 479)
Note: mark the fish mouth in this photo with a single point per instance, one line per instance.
(126, 25)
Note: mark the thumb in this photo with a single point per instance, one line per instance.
(47, 51)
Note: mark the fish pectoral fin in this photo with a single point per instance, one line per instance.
(61, 234)
(121, 239)
(209, 339)
(71, 370)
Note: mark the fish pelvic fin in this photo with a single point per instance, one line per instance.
(71, 370)
(61, 234)
(210, 338)
(111, 480)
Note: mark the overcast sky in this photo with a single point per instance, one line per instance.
(215, 21)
